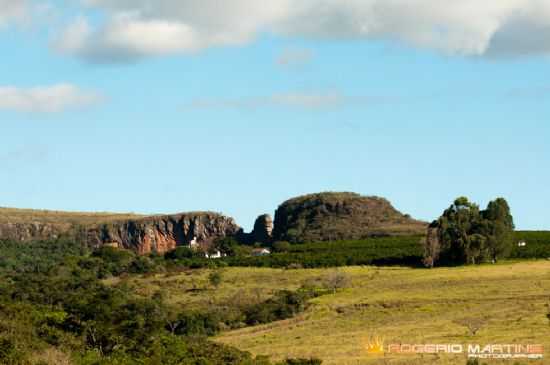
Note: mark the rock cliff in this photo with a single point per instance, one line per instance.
(163, 233)
(139, 233)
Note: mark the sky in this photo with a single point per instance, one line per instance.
(164, 106)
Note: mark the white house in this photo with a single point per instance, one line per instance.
(194, 244)
(261, 252)
(215, 255)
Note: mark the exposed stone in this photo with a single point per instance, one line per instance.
(340, 216)
(143, 235)
(25, 232)
(263, 229)
(164, 233)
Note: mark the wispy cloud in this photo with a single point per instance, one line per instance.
(295, 100)
(13, 10)
(46, 99)
(294, 57)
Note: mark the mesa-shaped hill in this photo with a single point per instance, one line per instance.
(142, 234)
(341, 216)
(29, 224)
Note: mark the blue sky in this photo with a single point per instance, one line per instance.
(159, 122)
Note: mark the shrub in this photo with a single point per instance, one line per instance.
(281, 246)
(180, 253)
(335, 281)
(215, 278)
(311, 361)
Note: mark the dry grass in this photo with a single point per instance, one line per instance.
(505, 303)
(13, 215)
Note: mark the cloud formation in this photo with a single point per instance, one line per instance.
(13, 10)
(141, 28)
(318, 100)
(47, 99)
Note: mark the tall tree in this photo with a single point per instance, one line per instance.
(466, 235)
(498, 227)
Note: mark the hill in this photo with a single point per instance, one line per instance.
(341, 216)
(506, 303)
(143, 234)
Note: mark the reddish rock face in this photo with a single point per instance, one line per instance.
(163, 233)
(143, 235)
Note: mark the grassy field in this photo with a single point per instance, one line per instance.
(508, 302)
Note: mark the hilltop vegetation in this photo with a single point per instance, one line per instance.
(340, 216)
(15, 216)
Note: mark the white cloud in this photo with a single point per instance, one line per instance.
(13, 10)
(141, 28)
(48, 99)
(296, 100)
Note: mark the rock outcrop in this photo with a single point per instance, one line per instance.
(163, 233)
(32, 231)
(340, 216)
(263, 229)
(138, 233)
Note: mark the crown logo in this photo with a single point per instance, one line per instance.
(375, 345)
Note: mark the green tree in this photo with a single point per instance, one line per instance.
(498, 227)
(281, 246)
(466, 235)
(228, 246)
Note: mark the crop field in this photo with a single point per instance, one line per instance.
(503, 303)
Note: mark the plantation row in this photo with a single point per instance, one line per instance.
(537, 245)
(373, 251)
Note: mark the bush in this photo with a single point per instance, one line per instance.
(281, 246)
(284, 304)
(215, 278)
(311, 361)
(335, 281)
(9, 354)
(180, 253)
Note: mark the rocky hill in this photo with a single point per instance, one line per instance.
(315, 217)
(340, 216)
(163, 233)
(142, 234)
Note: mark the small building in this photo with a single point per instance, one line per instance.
(214, 255)
(194, 244)
(261, 252)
